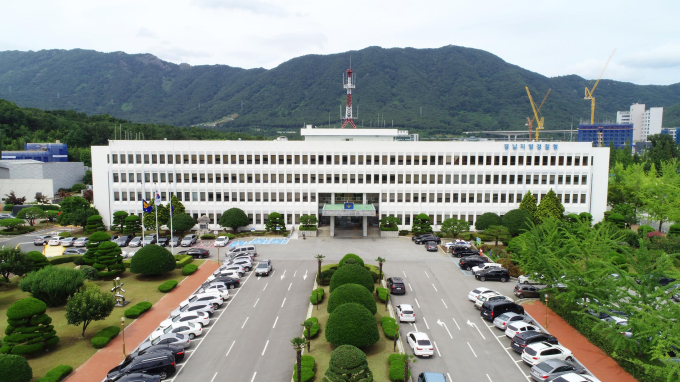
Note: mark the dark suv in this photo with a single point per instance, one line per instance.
(523, 290)
(396, 285)
(472, 261)
(524, 339)
(162, 364)
(427, 237)
(460, 251)
(493, 273)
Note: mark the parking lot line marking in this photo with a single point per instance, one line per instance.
(444, 304)
(448, 375)
(294, 273)
(489, 378)
(273, 272)
(417, 303)
(519, 360)
(275, 321)
(509, 347)
(284, 301)
(454, 321)
(283, 275)
(265, 347)
(265, 287)
(501, 336)
(291, 284)
(213, 378)
(473, 352)
(415, 326)
(256, 303)
(253, 377)
(506, 350)
(490, 326)
(404, 273)
(426, 325)
(244, 323)
(232, 345)
(409, 287)
(435, 288)
(436, 347)
(428, 276)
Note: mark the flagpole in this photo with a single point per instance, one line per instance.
(172, 247)
(157, 204)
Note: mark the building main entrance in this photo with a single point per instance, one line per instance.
(348, 213)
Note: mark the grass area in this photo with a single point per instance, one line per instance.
(72, 349)
(376, 354)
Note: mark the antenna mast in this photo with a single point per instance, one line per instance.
(349, 85)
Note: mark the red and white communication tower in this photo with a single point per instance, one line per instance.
(349, 85)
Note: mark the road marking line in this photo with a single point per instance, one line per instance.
(265, 347)
(253, 377)
(232, 345)
(417, 302)
(428, 276)
(244, 323)
(435, 288)
(501, 336)
(519, 360)
(449, 375)
(473, 352)
(415, 326)
(294, 273)
(265, 287)
(509, 347)
(444, 304)
(291, 284)
(283, 275)
(269, 275)
(490, 326)
(436, 347)
(506, 350)
(284, 301)
(404, 273)
(454, 321)
(256, 302)
(275, 321)
(489, 378)
(426, 325)
(409, 287)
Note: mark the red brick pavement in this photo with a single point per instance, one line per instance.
(95, 369)
(592, 357)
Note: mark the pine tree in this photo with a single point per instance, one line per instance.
(108, 258)
(274, 220)
(421, 224)
(132, 225)
(119, 220)
(550, 207)
(95, 223)
(528, 204)
(28, 329)
(348, 363)
(90, 257)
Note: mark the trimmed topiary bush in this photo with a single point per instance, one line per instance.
(644, 229)
(152, 260)
(617, 219)
(348, 256)
(382, 293)
(108, 259)
(396, 362)
(64, 259)
(95, 223)
(15, 368)
(351, 293)
(390, 326)
(57, 374)
(352, 324)
(89, 273)
(168, 286)
(28, 329)
(325, 276)
(486, 220)
(183, 260)
(189, 269)
(318, 291)
(307, 366)
(315, 327)
(52, 285)
(207, 236)
(674, 230)
(352, 274)
(348, 363)
(39, 260)
(137, 310)
(104, 336)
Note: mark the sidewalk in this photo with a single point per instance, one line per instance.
(95, 369)
(592, 357)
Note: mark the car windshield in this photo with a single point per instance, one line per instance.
(262, 266)
(156, 341)
(529, 351)
(476, 291)
(176, 318)
(504, 316)
(424, 342)
(168, 329)
(545, 367)
(148, 238)
(187, 237)
(512, 328)
(221, 238)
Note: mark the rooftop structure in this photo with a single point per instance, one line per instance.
(645, 122)
(310, 133)
(43, 152)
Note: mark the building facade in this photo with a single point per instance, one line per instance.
(601, 135)
(441, 179)
(673, 132)
(42, 152)
(61, 174)
(645, 122)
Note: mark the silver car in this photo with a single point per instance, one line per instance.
(135, 242)
(150, 239)
(81, 242)
(553, 368)
(189, 240)
(502, 321)
(174, 339)
(206, 307)
(41, 240)
(68, 241)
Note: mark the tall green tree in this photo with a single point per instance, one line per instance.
(454, 227)
(497, 232)
(31, 214)
(132, 225)
(486, 220)
(550, 206)
(95, 223)
(274, 220)
(663, 149)
(119, 220)
(421, 224)
(182, 222)
(13, 261)
(528, 204)
(234, 218)
(87, 305)
(298, 344)
(516, 221)
(661, 193)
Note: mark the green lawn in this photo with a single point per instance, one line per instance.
(72, 349)
(376, 354)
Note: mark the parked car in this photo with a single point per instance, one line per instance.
(502, 321)
(245, 262)
(175, 241)
(501, 274)
(432, 377)
(124, 240)
(163, 241)
(189, 240)
(492, 309)
(431, 246)
(524, 339)
(264, 268)
(416, 237)
(473, 294)
(135, 242)
(458, 243)
(573, 377)
(187, 328)
(479, 268)
(162, 364)
(464, 252)
(468, 262)
(396, 285)
(167, 339)
(234, 256)
(150, 239)
(81, 242)
(223, 292)
(519, 327)
(139, 377)
(420, 344)
(194, 307)
(249, 248)
(74, 251)
(176, 350)
(221, 241)
(41, 240)
(224, 273)
(196, 252)
(55, 240)
(551, 369)
(227, 281)
(405, 313)
(127, 254)
(481, 299)
(235, 268)
(67, 241)
(526, 290)
(208, 298)
(426, 238)
(543, 351)
(525, 279)
(200, 318)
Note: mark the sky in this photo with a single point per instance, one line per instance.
(553, 38)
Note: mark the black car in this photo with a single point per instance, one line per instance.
(524, 339)
(196, 252)
(472, 261)
(163, 241)
(431, 246)
(177, 351)
(494, 273)
(428, 237)
(492, 309)
(396, 285)
(228, 281)
(416, 237)
(663, 280)
(162, 364)
(525, 290)
(123, 240)
(140, 377)
(460, 251)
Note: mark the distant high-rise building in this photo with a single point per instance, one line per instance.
(645, 122)
(673, 132)
(602, 135)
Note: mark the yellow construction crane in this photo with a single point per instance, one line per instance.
(539, 121)
(589, 92)
(530, 121)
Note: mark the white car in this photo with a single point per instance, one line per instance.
(187, 328)
(211, 298)
(519, 327)
(200, 318)
(221, 241)
(524, 279)
(56, 240)
(246, 263)
(542, 351)
(482, 298)
(127, 254)
(461, 243)
(484, 266)
(420, 344)
(81, 242)
(68, 241)
(573, 377)
(405, 313)
(472, 296)
(223, 292)
(236, 268)
(225, 273)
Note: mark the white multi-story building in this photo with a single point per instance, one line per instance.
(645, 122)
(371, 168)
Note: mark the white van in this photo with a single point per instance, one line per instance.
(250, 249)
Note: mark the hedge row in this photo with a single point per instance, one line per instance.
(183, 260)
(382, 293)
(318, 291)
(64, 259)
(397, 368)
(18, 231)
(390, 326)
(103, 337)
(57, 374)
(189, 269)
(138, 309)
(167, 286)
(229, 235)
(207, 236)
(307, 363)
(315, 327)
(64, 234)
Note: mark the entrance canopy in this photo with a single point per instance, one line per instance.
(348, 209)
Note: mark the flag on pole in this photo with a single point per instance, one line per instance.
(157, 200)
(146, 206)
(171, 209)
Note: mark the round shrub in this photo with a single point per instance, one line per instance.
(351, 293)
(617, 219)
(325, 276)
(15, 368)
(26, 308)
(64, 234)
(167, 286)
(358, 260)
(189, 269)
(674, 230)
(351, 274)
(348, 360)
(487, 220)
(39, 260)
(52, 285)
(516, 221)
(89, 273)
(352, 324)
(317, 295)
(644, 229)
(99, 342)
(152, 260)
(390, 326)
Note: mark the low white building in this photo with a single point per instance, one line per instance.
(27, 177)
(336, 166)
(645, 122)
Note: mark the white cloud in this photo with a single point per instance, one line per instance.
(254, 6)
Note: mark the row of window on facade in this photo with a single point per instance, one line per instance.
(310, 197)
(162, 177)
(353, 159)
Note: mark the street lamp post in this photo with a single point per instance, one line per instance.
(122, 329)
(546, 311)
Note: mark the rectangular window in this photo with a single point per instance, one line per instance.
(456, 179)
(480, 179)
(585, 161)
(463, 198)
(465, 160)
(162, 177)
(497, 160)
(472, 160)
(575, 179)
(545, 160)
(577, 161)
(512, 179)
(567, 179)
(503, 198)
(116, 196)
(553, 160)
(535, 179)
(391, 197)
(463, 179)
(569, 161)
(496, 179)
(487, 197)
(584, 179)
(194, 159)
(574, 198)
(416, 197)
(520, 179)
(528, 161)
(455, 197)
(439, 197)
(552, 179)
(511, 198)
(495, 198)
(583, 198)
(544, 179)
(487, 179)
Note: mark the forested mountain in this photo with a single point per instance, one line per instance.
(459, 89)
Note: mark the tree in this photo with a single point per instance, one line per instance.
(95, 223)
(550, 206)
(454, 227)
(31, 214)
(182, 222)
(528, 204)
(11, 223)
(298, 344)
(87, 178)
(163, 217)
(119, 220)
(152, 260)
(352, 324)
(516, 221)
(88, 305)
(88, 195)
(11, 198)
(274, 220)
(628, 212)
(351, 293)
(660, 193)
(348, 364)
(421, 224)
(108, 257)
(497, 232)
(351, 258)
(352, 274)
(132, 225)
(38, 260)
(14, 262)
(307, 324)
(319, 258)
(40, 198)
(390, 223)
(78, 187)
(234, 218)
(90, 257)
(51, 215)
(663, 149)
(16, 368)
(52, 285)
(407, 359)
(308, 221)
(486, 220)
(72, 204)
(28, 330)
(380, 261)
